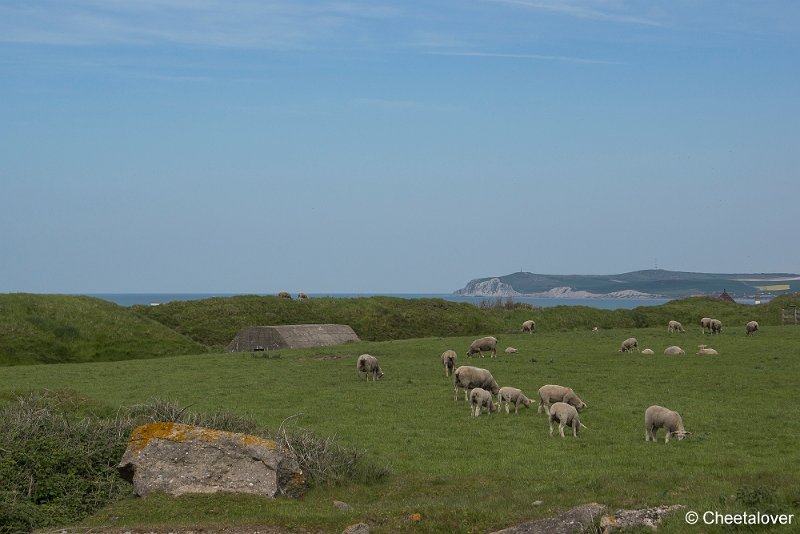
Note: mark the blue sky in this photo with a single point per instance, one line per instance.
(354, 146)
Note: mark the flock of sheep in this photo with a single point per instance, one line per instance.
(561, 404)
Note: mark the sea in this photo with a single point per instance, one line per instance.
(154, 299)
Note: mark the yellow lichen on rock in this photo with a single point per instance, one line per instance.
(178, 432)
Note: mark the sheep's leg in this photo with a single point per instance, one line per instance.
(666, 438)
(561, 428)
(550, 424)
(575, 425)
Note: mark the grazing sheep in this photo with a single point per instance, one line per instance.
(512, 395)
(648, 351)
(656, 417)
(566, 415)
(480, 398)
(674, 350)
(716, 326)
(511, 350)
(468, 377)
(702, 349)
(302, 296)
(285, 295)
(705, 324)
(751, 328)
(449, 361)
(529, 327)
(675, 326)
(478, 346)
(368, 364)
(553, 393)
(629, 344)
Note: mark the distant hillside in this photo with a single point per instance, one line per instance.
(62, 328)
(648, 283)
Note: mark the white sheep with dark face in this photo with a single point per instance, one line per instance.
(656, 417)
(368, 365)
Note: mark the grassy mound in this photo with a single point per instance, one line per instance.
(61, 328)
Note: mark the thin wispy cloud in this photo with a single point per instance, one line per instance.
(539, 57)
(586, 10)
(281, 24)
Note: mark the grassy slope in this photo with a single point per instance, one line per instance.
(60, 328)
(467, 474)
(214, 322)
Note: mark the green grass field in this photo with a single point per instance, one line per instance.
(467, 474)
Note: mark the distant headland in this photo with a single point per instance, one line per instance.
(651, 283)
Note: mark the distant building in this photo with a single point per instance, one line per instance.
(724, 296)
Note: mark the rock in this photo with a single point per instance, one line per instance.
(176, 459)
(647, 517)
(578, 519)
(358, 528)
(342, 506)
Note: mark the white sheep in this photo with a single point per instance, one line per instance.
(648, 351)
(716, 326)
(674, 350)
(751, 328)
(468, 377)
(656, 417)
(595, 329)
(675, 326)
(480, 345)
(629, 344)
(480, 398)
(703, 350)
(512, 395)
(551, 393)
(449, 361)
(566, 415)
(529, 327)
(705, 324)
(368, 364)
(511, 350)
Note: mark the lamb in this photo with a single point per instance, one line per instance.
(566, 415)
(595, 329)
(703, 350)
(368, 364)
(656, 417)
(511, 350)
(480, 398)
(512, 395)
(629, 344)
(554, 393)
(705, 324)
(529, 327)
(751, 328)
(449, 361)
(716, 326)
(674, 350)
(478, 346)
(285, 295)
(675, 326)
(648, 351)
(302, 296)
(468, 377)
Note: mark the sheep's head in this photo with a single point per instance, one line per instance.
(680, 434)
(378, 374)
